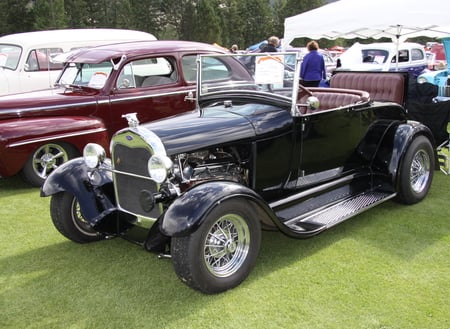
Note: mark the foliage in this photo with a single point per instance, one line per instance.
(242, 22)
(386, 268)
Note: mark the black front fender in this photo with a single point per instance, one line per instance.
(189, 211)
(92, 188)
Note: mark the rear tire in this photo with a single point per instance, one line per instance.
(416, 171)
(223, 250)
(68, 220)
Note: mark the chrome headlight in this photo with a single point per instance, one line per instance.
(93, 155)
(159, 166)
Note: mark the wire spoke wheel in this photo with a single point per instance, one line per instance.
(67, 217)
(222, 251)
(420, 171)
(416, 171)
(227, 245)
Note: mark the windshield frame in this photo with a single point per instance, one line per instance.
(75, 74)
(270, 63)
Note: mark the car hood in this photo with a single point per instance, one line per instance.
(220, 125)
(43, 102)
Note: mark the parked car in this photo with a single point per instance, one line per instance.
(440, 78)
(199, 187)
(436, 57)
(383, 57)
(27, 59)
(41, 130)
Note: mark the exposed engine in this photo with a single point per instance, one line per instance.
(216, 164)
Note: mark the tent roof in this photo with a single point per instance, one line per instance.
(397, 19)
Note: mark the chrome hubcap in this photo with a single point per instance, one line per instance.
(227, 245)
(420, 171)
(47, 158)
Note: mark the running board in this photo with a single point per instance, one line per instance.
(321, 219)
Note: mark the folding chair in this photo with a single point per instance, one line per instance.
(437, 117)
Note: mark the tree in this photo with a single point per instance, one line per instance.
(257, 22)
(16, 16)
(208, 27)
(49, 15)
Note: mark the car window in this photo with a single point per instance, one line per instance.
(403, 56)
(416, 54)
(147, 72)
(377, 56)
(92, 75)
(9, 56)
(41, 60)
(189, 67)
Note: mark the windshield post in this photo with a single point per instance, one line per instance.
(198, 84)
(296, 82)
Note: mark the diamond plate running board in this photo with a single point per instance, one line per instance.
(329, 216)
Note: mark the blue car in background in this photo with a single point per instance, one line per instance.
(440, 78)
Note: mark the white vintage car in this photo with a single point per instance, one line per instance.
(383, 56)
(27, 59)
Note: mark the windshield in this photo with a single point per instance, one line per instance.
(257, 72)
(9, 56)
(89, 75)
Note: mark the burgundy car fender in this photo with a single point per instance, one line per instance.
(20, 138)
(92, 188)
(189, 211)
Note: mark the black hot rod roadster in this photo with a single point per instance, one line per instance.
(259, 152)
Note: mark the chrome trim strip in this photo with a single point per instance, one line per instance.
(311, 191)
(95, 102)
(151, 96)
(43, 108)
(43, 139)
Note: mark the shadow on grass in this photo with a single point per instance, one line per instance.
(14, 185)
(400, 231)
(116, 280)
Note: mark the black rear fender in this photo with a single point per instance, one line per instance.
(385, 145)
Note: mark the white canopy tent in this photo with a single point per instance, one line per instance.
(397, 19)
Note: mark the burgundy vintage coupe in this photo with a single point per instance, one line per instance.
(41, 130)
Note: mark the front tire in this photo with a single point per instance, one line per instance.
(44, 160)
(68, 220)
(223, 250)
(416, 171)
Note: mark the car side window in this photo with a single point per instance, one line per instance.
(41, 60)
(212, 69)
(417, 54)
(148, 72)
(403, 56)
(189, 67)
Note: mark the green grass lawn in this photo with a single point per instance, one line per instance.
(386, 268)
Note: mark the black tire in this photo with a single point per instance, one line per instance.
(416, 171)
(222, 252)
(67, 218)
(44, 160)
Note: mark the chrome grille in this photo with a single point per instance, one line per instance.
(133, 187)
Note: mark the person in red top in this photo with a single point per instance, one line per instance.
(313, 66)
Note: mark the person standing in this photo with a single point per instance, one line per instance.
(271, 46)
(313, 66)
